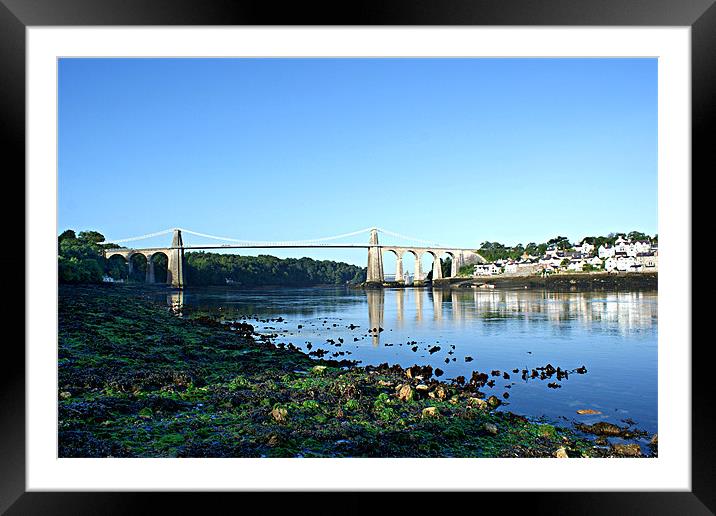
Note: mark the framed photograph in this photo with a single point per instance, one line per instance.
(420, 249)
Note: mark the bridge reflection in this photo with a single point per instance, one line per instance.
(408, 309)
(622, 311)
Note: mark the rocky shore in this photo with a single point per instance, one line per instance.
(135, 380)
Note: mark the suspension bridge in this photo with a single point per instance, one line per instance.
(175, 252)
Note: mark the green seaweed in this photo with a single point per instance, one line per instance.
(137, 381)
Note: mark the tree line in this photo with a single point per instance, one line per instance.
(81, 260)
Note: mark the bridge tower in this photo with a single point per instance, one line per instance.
(375, 259)
(175, 267)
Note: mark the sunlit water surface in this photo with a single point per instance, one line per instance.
(614, 335)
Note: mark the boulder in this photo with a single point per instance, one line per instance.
(319, 369)
(279, 414)
(627, 450)
(431, 412)
(477, 402)
(561, 453)
(603, 428)
(493, 401)
(491, 428)
(405, 393)
(439, 392)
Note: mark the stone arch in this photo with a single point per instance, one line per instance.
(122, 255)
(157, 267)
(410, 265)
(426, 264)
(117, 266)
(391, 262)
(137, 267)
(442, 257)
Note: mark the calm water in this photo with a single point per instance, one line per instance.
(614, 335)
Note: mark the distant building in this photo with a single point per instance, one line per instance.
(576, 265)
(595, 261)
(610, 264)
(621, 245)
(606, 251)
(585, 248)
(486, 269)
(649, 261)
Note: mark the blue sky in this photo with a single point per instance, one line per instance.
(457, 151)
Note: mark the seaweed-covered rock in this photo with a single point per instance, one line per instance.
(627, 450)
(431, 412)
(491, 428)
(405, 393)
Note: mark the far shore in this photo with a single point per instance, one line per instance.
(561, 282)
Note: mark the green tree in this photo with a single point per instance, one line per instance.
(446, 266)
(91, 236)
(638, 236)
(67, 234)
(560, 242)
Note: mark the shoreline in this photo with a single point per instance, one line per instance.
(137, 381)
(565, 282)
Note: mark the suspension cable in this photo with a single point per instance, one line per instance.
(227, 239)
(259, 242)
(412, 239)
(150, 235)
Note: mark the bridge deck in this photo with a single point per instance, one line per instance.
(291, 246)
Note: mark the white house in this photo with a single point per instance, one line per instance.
(585, 248)
(595, 261)
(576, 265)
(606, 251)
(626, 263)
(551, 250)
(642, 246)
(621, 245)
(610, 264)
(649, 261)
(486, 269)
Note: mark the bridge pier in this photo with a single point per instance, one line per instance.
(175, 267)
(399, 268)
(437, 268)
(418, 267)
(150, 270)
(375, 259)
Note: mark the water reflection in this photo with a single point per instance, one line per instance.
(399, 302)
(376, 313)
(623, 312)
(175, 300)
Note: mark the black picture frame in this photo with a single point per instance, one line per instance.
(17, 15)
